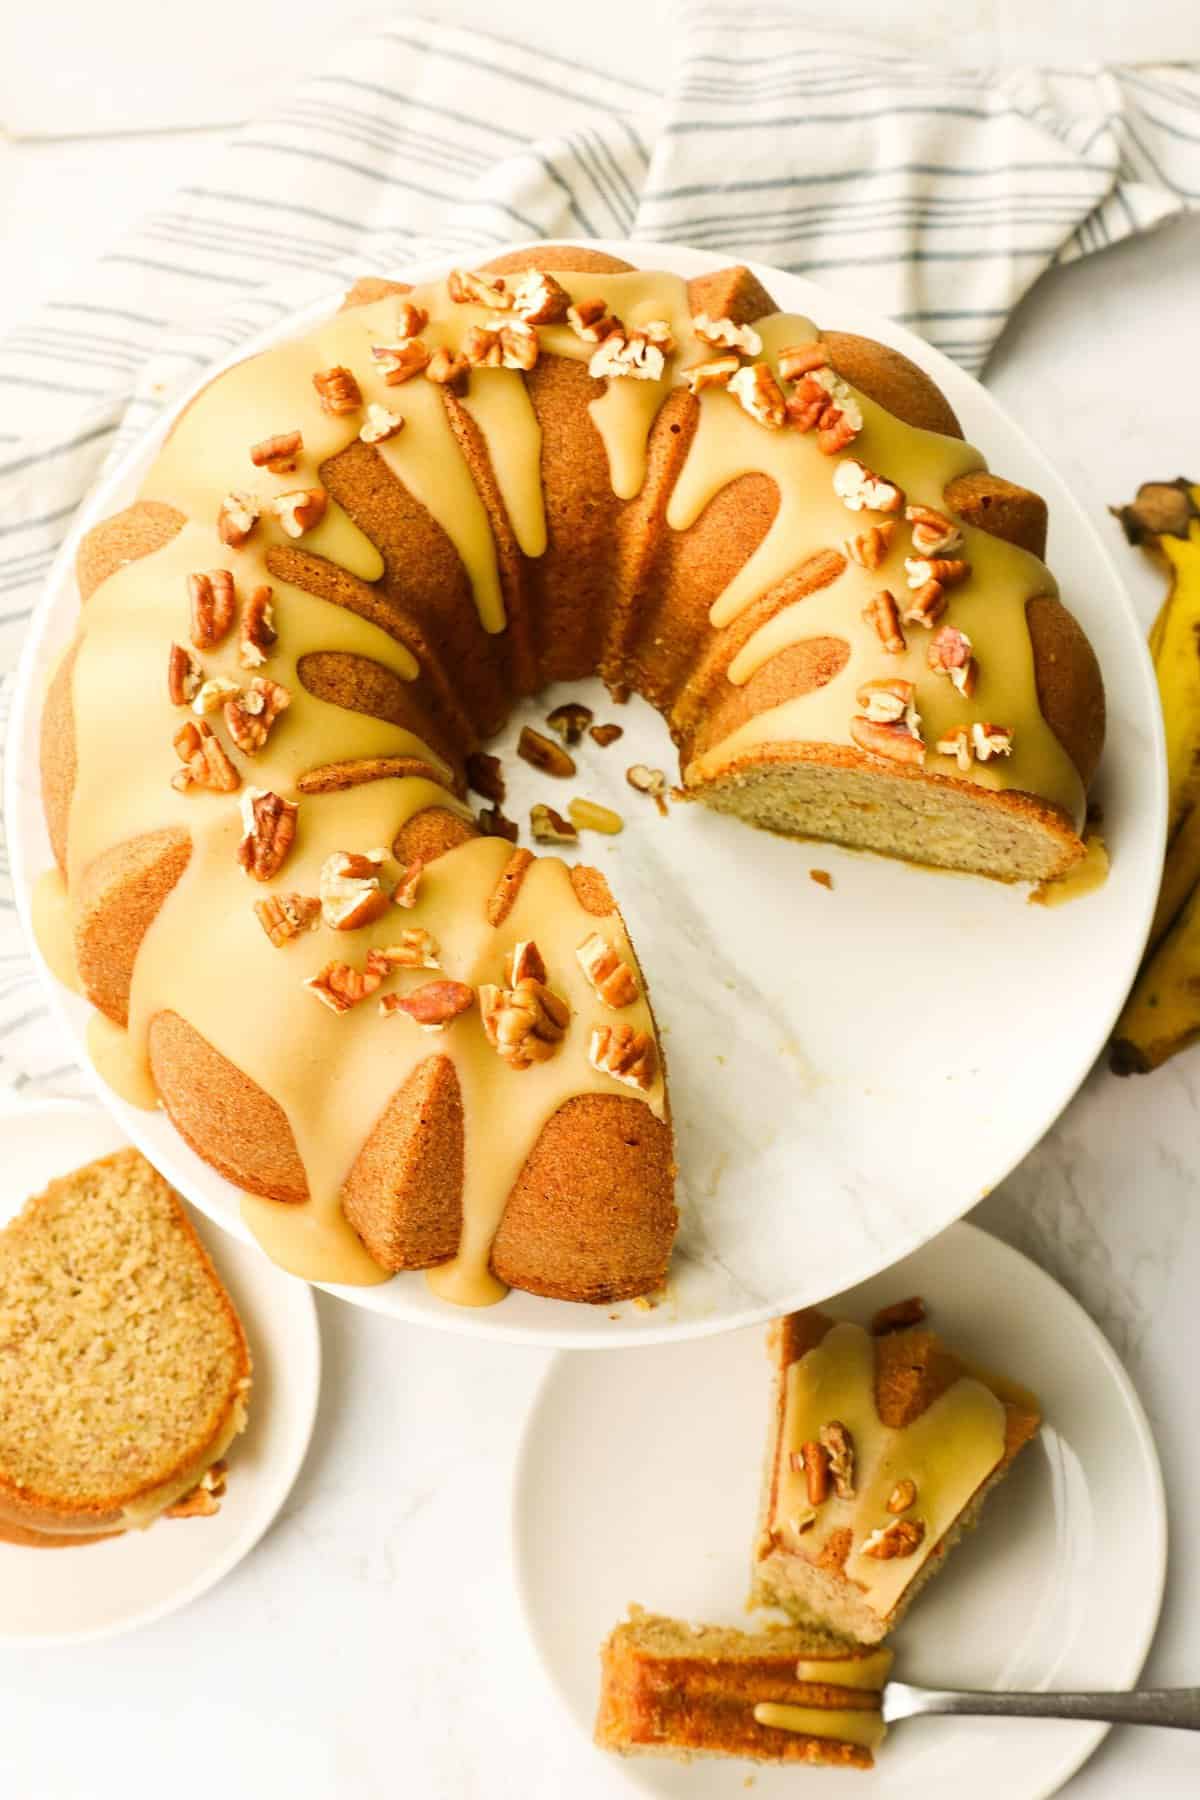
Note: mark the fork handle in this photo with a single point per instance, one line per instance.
(1147, 1706)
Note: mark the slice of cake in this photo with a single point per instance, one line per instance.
(883, 1445)
(124, 1371)
(787, 1694)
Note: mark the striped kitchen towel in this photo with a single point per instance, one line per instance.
(937, 195)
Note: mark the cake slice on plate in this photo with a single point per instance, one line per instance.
(787, 1694)
(124, 1371)
(883, 1446)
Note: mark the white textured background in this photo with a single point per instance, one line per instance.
(371, 1647)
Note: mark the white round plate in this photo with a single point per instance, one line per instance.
(641, 1483)
(876, 1057)
(98, 1590)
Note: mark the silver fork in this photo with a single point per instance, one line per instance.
(1145, 1706)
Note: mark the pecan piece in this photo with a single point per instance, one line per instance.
(989, 740)
(871, 546)
(415, 948)
(205, 764)
(933, 534)
(718, 371)
(950, 654)
(338, 390)
(956, 743)
(524, 1023)
(544, 754)
(469, 287)
(902, 1496)
(758, 393)
(644, 780)
(339, 986)
(592, 321)
(380, 424)
(814, 1460)
(899, 1316)
(926, 606)
(250, 716)
(540, 299)
(604, 735)
(493, 823)
(839, 1445)
(449, 370)
(723, 334)
(237, 518)
(520, 345)
(569, 720)
(287, 916)
(352, 890)
(485, 775)
(184, 675)
(405, 891)
(400, 362)
(612, 979)
(525, 963)
(257, 634)
(549, 827)
(410, 318)
(301, 510)
(633, 355)
(213, 693)
(212, 601)
(279, 454)
(947, 571)
(895, 742)
(884, 615)
(801, 359)
(903, 1537)
(268, 829)
(625, 1054)
(885, 702)
(434, 1005)
(859, 488)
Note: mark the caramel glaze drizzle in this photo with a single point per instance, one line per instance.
(205, 956)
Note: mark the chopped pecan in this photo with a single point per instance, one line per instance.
(405, 891)
(213, 693)
(902, 1496)
(989, 740)
(604, 735)
(250, 715)
(352, 890)
(950, 654)
(589, 815)
(544, 754)
(801, 359)
(339, 986)
(540, 299)
(400, 362)
(481, 346)
(493, 823)
(485, 775)
(205, 764)
(933, 534)
(268, 830)
(956, 743)
(432, 1006)
(645, 780)
(468, 287)
(947, 571)
(839, 1445)
(896, 742)
(569, 720)
(258, 633)
(449, 370)
(926, 606)
(885, 702)
(758, 393)
(519, 345)
(184, 675)
(871, 546)
(279, 454)
(628, 354)
(814, 1460)
(415, 948)
(524, 1023)
(592, 321)
(821, 401)
(884, 615)
(723, 334)
(287, 916)
(612, 979)
(716, 372)
(338, 389)
(549, 827)
(212, 600)
(903, 1537)
(237, 518)
(300, 510)
(858, 487)
(525, 963)
(899, 1316)
(410, 318)
(625, 1054)
(380, 424)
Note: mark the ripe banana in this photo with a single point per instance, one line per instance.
(1162, 1015)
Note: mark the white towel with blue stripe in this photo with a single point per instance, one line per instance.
(937, 195)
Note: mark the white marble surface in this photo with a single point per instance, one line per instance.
(371, 1646)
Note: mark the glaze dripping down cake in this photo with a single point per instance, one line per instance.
(411, 1045)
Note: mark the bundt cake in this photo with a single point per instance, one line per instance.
(883, 1446)
(785, 1694)
(412, 1045)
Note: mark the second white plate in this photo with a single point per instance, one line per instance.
(638, 1481)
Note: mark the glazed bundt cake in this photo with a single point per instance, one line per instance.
(412, 1045)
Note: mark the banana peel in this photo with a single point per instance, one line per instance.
(1162, 1015)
